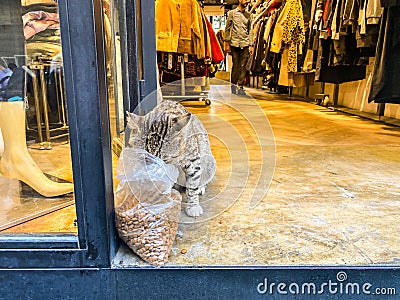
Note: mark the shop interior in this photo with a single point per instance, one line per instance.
(306, 164)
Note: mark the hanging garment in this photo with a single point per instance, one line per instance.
(283, 70)
(367, 31)
(42, 30)
(289, 29)
(336, 21)
(38, 21)
(47, 7)
(350, 12)
(179, 27)
(193, 30)
(273, 5)
(271, 59)
(4, 78)
(167, 25)
(254, 63)
(217, 55)
(390, 3)
(199, 31)
(385, 87)
(327, 15)
(326, 71)
(220, 37)
(185, 32)
(373, 12)
(15, 88)
(268, 27)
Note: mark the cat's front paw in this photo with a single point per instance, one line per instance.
(202, 190)
(194, 210)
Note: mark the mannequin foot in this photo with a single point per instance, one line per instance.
(28, 172)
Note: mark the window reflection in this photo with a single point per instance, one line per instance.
(114, 72)
(36, 186)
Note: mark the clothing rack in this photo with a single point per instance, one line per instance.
(51, 130)
(183, 96)
(200, 47)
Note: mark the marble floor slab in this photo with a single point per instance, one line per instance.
(334, 197)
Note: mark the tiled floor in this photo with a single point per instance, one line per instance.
(334, 198)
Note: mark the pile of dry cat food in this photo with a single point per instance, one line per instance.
(149, 229)
(148, 212)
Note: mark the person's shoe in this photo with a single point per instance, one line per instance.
(234, 89)
(241, 91)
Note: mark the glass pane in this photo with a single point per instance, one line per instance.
(114, 79)
(36, 189)
(114, 72)
(331, 197)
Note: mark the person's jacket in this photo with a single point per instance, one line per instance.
(238, 30)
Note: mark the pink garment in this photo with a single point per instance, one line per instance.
(38, 21)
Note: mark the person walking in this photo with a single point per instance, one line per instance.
(239, 43)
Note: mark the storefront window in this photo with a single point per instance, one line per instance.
(114, 71)
(114, 79)
(36, 178)
(164, 218)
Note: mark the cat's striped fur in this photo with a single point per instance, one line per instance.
(178, 137)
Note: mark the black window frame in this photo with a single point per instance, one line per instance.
(95, 245)
(85, 81)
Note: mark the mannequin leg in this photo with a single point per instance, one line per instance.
(16, 161)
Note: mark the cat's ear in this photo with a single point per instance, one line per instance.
(180, 122)
(133, 121)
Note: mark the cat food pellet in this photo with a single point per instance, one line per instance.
(151, 235)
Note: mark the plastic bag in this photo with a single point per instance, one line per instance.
(147, 218)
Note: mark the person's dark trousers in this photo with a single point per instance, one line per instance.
(239, 61)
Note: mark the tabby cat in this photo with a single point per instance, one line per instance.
(178, 137)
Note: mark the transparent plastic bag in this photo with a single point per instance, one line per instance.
(148, 213)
